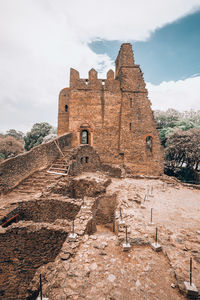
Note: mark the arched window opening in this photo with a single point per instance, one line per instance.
(81, 160)
(66, 108)
(149, 142)
(131, 102)
(84, 137)
(86, 159)
(130, 126)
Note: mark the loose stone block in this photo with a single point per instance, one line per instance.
(156, 247)
(191, 290)
(121, 222)
(151, 224)
(126, 247)
(72, 237)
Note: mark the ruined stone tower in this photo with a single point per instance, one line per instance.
(113, 115)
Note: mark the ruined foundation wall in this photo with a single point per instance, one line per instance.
(23, 250)
(14, 170)
(44, 210)
(86, 159)
(106, 206)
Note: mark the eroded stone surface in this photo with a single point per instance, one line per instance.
(95, 267)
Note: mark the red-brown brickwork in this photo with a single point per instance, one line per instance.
(114, 115)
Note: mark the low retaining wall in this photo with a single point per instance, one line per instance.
(24, 248)
(14, 170)
(43, 210)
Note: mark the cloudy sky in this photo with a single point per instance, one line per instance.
(41, 39)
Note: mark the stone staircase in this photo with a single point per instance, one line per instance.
(37, 182)
(41, 180)
(62, 165)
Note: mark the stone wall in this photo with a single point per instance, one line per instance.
(117, 114)
(14, 170)
(86, 159)
(43, 210)
(24, 248)
(106, 206)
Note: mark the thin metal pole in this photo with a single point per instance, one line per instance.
(126, 235)
(40, 286)
(163, 186)
(151, 215)
(114, 223)
(156, 235)
(120, 212)
(190, 270)
(73, 226)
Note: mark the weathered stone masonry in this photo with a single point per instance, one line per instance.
(113, 115)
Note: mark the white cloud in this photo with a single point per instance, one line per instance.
(181, 95)
(41, 40)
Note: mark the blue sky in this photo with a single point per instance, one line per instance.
(171, 53)
(41, 40)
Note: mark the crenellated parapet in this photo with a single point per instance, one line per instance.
(93, 82)
(128, 75)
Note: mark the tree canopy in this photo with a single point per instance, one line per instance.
(180, 135)
(183, 149)
(18, 135)
(168, 121)
(9, 147)
(36, 135)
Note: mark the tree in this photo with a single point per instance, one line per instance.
(36, 135)
(9, 147)
(183, 150)
(18, 135)
(168, 121)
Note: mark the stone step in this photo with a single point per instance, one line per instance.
(58, 169)
(26, 191)
(32, 181)
(53, 172)
(59, 164)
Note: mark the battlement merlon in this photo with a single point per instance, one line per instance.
(93, 82)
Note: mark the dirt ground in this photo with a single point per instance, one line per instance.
(100, 269)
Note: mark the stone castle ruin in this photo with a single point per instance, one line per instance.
(110, 120)
(113, 115)
(68, 206)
